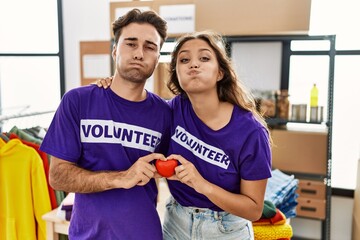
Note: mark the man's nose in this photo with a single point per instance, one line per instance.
(138, 54)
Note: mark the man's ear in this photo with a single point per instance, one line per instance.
(113, 53)
(158, 60)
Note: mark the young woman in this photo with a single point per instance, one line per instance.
(220, 141)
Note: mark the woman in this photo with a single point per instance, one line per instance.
(220, 141)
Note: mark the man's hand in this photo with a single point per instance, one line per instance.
(141, 171)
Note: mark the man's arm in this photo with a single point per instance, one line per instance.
(68, 177)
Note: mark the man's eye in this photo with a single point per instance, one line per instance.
(150, 48)
(131, 44)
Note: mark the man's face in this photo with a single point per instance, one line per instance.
(137, 52)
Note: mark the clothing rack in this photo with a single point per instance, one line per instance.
(20, 115)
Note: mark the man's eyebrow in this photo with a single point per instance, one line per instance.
(131, 39)
(136, 39)
(151, 42)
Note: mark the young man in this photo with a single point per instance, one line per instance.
(103, 141)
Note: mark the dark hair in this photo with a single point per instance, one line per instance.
(229, 88)
(136, 16)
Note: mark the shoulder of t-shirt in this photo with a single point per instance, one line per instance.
(248, 119)
(176, 101)
(159, 100)
(81, 91)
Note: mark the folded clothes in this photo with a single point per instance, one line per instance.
(267, 232)
(278, 219)
(281, 191)
(269, 210)
(64, 211)
(69, 199)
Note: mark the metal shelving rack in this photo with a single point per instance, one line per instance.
(286, 54)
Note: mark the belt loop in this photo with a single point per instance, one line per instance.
(216, 215)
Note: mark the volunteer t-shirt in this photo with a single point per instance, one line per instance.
(239, 150)
(98, 130)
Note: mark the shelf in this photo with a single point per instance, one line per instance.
(273, 122)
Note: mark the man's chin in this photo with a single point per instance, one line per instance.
(137, 79)
(136, 76)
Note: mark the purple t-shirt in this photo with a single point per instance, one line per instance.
(240, 150)
(98, 130)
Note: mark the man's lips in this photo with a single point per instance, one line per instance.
(136, 64)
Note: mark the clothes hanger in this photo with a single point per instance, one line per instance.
(4, 138)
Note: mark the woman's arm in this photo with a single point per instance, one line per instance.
(248, 204)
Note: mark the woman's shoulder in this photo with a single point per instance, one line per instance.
(247, 119)
(178, 101)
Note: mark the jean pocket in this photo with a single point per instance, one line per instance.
(230, 224)
(170, 203)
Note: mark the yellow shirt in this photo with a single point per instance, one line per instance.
(24, 196)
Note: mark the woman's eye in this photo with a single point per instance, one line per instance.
(184, 60)
(204, 59)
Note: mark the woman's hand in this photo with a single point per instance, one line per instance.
(104, 82)
(187, 173)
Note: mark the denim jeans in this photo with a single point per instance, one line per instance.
(182, 223)
(280, 190)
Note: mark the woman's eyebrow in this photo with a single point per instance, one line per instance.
(200, 50)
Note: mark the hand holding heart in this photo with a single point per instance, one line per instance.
(166, 168)
(186, 172)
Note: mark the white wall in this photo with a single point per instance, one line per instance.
(88, 20)
(83, 20)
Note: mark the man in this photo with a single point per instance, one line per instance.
(103, 141)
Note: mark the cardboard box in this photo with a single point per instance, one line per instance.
(311, 189)
(311, 208)
(161, 75)
(253, 17)
(299, 151)
(237, 17)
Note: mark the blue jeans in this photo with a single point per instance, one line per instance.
(182, 223)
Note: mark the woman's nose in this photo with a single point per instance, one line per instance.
(194, 64)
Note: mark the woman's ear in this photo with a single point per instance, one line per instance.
(220, 75)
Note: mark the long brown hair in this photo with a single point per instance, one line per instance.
(229, 88)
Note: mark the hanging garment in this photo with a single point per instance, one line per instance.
(23, 135)
(24, 196)
(45, 160)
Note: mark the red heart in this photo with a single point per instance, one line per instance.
(166, 168)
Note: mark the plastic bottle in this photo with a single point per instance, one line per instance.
(314, 96)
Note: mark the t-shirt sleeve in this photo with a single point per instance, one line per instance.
(256, 155)
(62, 139)
(166, 133)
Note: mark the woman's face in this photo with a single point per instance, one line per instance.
(197, 67)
